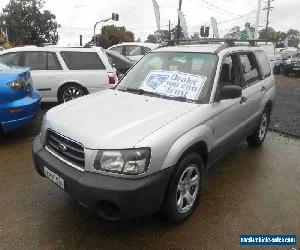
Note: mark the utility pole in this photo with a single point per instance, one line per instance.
(257, 19)
(170, 36)
(178, 26)
(268, 8)
(80, 40)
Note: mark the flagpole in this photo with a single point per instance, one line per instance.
(178, 26)
(257, 18)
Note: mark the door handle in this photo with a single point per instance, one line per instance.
(263, 88)
(243, 100)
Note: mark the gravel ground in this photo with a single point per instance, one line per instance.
(286, 113)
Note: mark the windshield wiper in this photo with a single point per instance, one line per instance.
(143, 92)
(131, 90)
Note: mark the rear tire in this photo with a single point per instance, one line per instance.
(184, 189)
(70, 92)
(259, 135)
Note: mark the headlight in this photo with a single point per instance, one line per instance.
(18, 85)
(128, 161)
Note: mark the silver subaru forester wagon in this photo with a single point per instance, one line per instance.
(146, 145)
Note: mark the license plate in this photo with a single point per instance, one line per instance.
(54, 177)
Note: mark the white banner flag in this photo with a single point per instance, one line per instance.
(156, 13)
(183, 23)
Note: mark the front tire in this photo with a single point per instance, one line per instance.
(70, 92)
(184, 189)
(259, 135)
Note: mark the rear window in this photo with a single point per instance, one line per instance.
(11, 59)
(263, 63)
(82, 60)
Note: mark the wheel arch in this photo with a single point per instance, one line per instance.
(198, 140)
(70, 83)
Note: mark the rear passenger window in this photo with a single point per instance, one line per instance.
(133, 50)
(10, 59)
(249, 68)
(35, 60)
(82, 60)
(53, 63)
(118, 49)
(263, 63)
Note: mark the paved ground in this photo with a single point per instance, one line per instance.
(251, 191)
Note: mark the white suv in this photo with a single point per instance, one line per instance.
(146, 145)
(63, 74)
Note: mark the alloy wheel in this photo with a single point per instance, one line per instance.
(187, 189)
(72, 93)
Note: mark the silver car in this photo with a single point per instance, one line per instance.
(145, 146)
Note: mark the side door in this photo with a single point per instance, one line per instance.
(228, 114)
(46, 72)
(86, 69)
(253, 89)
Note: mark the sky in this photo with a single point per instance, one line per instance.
(79, 16)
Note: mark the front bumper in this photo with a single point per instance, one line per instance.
(111, 197)
(28, 107)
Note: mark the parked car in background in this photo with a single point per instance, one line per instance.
(63, 74)
(147, 144)
(292, 64)
(121, 63)
(19, 102)
(134, 51)
(279, 62)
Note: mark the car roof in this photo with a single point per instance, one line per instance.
(51, 48)
(214, 48)
(147, 45)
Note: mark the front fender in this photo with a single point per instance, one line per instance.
(202, 133)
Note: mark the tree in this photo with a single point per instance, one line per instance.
(234, 33)
(269, 34)
(294, 37)
(28, 24)
(151, 39)
(111, 35)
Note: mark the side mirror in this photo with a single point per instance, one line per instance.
(230, 92)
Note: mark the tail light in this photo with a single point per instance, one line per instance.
(112, 78)
(18, 85)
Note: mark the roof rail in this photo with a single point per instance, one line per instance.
(227, 41)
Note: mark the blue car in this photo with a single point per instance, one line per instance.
(19, 102)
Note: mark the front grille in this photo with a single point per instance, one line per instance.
(69, 150)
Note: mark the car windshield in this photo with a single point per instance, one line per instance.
(4, 67)
(182, 76)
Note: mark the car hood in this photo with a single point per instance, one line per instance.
(113, 119)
